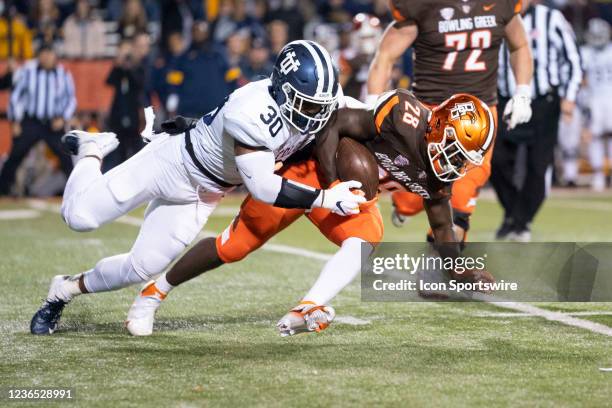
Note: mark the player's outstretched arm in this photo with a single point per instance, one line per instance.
(518, 110)
(393, 44)
(256, 166)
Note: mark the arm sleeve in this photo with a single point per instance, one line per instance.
(257, 171)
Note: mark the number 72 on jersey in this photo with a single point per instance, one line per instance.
(479, 40)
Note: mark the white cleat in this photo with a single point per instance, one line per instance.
(81, 144)
(141, 315)
(306, 317)
(398, 219)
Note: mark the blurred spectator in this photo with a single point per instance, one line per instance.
(128, 81)
(133, 19)
(279, 36)
(355, 60)
(237, 45)
(41, 104)
(289, 12)
(203, 79)
(179, 16)
(45, 23)
(165, 74)
(15, 37)
(258, 64)
(233, 17)
(84, 33)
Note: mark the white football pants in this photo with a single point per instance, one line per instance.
(178, 209)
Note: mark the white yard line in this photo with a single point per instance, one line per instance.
(286, 249)
(519, 314)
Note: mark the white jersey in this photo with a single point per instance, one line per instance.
(251, 116)
(598, 68)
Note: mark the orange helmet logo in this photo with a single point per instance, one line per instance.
(461, 132)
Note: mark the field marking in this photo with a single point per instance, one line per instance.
(19, 214)
(352, 320)
(517, 306)
(519, 314)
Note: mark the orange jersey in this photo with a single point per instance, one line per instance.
(457, 47)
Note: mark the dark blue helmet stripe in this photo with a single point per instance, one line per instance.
(326, 73)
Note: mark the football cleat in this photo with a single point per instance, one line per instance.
(141, 315)
(81, 144)
(398, 219)
(520, 236)
(306, 317)
(46, 319)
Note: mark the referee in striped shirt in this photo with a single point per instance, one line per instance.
(556, 80)
(41, 104)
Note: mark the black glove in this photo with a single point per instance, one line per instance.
(177, 125)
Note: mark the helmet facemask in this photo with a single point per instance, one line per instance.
(307, 114)
(449, 158)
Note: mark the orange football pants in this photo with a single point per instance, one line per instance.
(257, 222)
(464, 191)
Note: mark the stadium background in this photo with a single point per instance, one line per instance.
(226, 42)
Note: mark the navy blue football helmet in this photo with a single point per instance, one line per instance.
(305, 85)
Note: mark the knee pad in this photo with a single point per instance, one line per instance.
(78, 219)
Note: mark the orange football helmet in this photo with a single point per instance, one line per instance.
(461, 131)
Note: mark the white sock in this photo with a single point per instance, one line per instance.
(338, 272)
(85, 171)
(163, 285)
(68, 289)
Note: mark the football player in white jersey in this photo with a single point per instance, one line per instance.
(184, 172)
(597, 57)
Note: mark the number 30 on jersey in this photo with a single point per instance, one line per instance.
(271, 118)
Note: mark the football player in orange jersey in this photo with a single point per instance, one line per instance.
(456, 45)
(418, 149)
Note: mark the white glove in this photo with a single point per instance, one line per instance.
(518, 109)
(340, 199)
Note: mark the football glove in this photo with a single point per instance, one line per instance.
(340, 200)
(518, 109)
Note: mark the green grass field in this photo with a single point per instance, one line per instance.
(215, 343)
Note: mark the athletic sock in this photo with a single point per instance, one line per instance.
(68, 289)
(337, 273)
(162, 284)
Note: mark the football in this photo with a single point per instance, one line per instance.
(355, 162)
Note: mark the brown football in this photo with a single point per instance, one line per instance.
(355, 162)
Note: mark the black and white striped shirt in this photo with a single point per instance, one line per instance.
(42, 94)
(555, 55)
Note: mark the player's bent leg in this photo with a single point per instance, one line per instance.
(92, 199)
(167, 230)
(354, 235)
(254, 225)
(405, 206)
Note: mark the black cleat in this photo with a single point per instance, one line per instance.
(504, 230)
(46, 319)
(70, 143)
